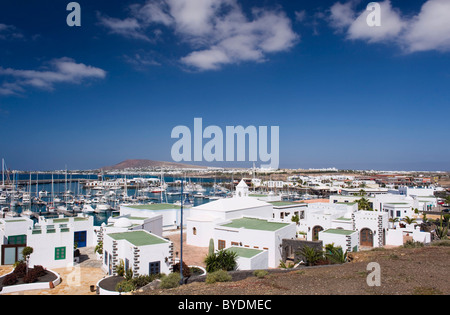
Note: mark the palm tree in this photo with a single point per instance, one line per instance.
(409, 220)
(311, 255)
(335, 254)
(393, 221)
(363, 204)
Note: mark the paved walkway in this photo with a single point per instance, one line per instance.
(75, 280)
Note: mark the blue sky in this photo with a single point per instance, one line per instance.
(344, 95)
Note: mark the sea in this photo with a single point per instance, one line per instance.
(60, 186)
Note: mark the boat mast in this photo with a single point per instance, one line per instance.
(3, 172)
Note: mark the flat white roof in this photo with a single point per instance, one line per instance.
(232, 204)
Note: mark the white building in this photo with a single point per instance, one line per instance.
(82, 227)
(250, 259)
(203, 219)
(13, 238)
(52, 240)
(254, 233)
(143, 252)
(53, 245)
(348, 240)
(171, 213)
(125, 223)
(243, 222)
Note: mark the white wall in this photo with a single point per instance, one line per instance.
(204, 232)
(147, 254)
(269, 240)
(44, 245)
(259, 261)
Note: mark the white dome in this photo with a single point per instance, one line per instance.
(123, 223)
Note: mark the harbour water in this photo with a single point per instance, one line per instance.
(71, 193)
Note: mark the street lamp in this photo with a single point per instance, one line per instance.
(181, 235)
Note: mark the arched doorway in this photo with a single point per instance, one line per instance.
(366, 237)
(315, 232)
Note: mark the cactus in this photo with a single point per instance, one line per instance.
(211, 247)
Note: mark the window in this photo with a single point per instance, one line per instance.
(17, 239)
(221, 244)
(60, 253)
(194, 231)
(154, 268)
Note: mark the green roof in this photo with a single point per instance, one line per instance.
(255, 224)
(138, 238)
(339, 231)
(245, 252)
(155, 206)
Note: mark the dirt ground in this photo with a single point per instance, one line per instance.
(421, 271)
(192, 255)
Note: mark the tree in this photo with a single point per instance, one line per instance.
(393, 221)
(310, 255)
(447, 200)
(295, 218)
(364, 204)
(26, 253)
(335, 254)
(409, 220)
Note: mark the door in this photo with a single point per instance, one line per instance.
(366, 237)
(11, 253)
(315, 233)
(80, 238)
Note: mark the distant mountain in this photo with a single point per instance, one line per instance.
(149, 164)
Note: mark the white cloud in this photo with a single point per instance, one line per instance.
(129, 27)
(342, 15)
(9, 32)
(63, 70)
(217, 31)
(391, 25)
(428, 30)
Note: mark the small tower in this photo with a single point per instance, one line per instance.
(242, 189)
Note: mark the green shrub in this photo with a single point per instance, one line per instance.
(218, 276)
(260, 273)
(412, 244)
(441, 243)
(221, 260)
(125, 286)
(170, 281)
